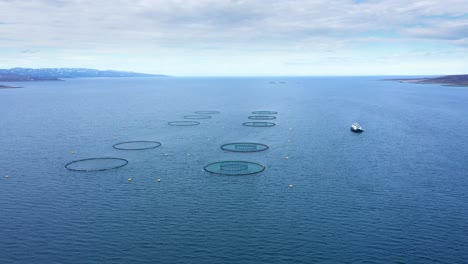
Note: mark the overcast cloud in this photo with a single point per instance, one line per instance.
(238, 37)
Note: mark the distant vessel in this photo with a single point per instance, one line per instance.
(356, 128)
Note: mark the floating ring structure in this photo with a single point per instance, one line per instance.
(96, 164)
(264, 112)
(197, 117)
(234, 168)
(207, 112)
(259, 124)
(262, 117)
(137, 145)
(244, 147)
(183, 123)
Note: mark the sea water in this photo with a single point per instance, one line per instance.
(395, 193)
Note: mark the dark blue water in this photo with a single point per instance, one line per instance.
(396, 193)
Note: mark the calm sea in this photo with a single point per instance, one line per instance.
(397, 193)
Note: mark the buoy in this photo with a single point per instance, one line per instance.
(129, 179)
(290, 185)
(159, 180)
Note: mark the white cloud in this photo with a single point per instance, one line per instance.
(176, 28)
(450, 30)
(131, 22)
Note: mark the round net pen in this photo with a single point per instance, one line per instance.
(197, 117)
(207, 112)
(137, 145)
(264, 112)
(262, 117)
(259, 124)
(183, 123)
(244, 147)
(234, 168)
(96, 164)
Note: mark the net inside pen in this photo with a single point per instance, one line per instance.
(244, 147)
(259, 124)
(234, 168)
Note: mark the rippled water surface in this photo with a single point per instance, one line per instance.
(396, 193)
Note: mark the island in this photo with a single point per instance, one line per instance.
(449, 80)
(55, 74)
(9, 87)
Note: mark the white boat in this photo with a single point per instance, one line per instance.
(356, 128)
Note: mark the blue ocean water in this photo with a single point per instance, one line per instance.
(396, 193)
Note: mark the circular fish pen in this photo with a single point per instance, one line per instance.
(234, 168)
(262, 117)
(183, 123)
(244, 147)
(207, 112)
(197, 117)
(96, 164)
(137, 145)
(259, 124)
(264, 112)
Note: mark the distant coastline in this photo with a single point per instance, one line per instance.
(449, 80)
(25, 78)
(55, 74)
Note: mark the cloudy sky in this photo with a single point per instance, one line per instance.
(236, 37)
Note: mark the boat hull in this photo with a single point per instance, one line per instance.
(356, 130)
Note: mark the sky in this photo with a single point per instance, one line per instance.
(238, 38)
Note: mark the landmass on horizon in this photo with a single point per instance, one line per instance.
(54, 74)
(9, 87)
(448, 80)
